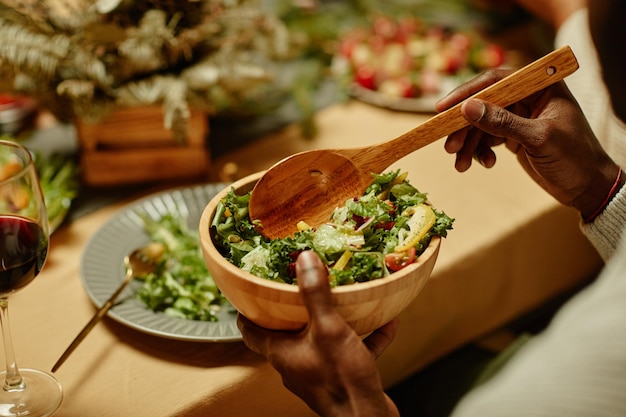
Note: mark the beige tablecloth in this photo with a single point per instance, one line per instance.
(512, 248)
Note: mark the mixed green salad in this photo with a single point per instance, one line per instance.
(58, 176)
(59, 179)
(370, 237)
(180, 285)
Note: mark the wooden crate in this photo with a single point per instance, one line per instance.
(131, 146)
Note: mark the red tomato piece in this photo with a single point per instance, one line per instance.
(366, 77)
(396, 261)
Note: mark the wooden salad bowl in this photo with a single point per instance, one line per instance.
(277, 306)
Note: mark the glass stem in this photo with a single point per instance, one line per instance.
(13, 380)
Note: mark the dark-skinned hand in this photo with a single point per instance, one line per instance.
(326, 364)
(547, 131)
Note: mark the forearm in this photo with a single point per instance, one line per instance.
(587, 87)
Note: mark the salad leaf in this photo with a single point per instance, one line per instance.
(180, 285)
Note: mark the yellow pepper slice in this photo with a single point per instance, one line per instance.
(342, 261)
(302, 226)
(422, 220)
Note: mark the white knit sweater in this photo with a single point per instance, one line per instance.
(577, 367)
(587, 86)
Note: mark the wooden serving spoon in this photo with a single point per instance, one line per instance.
(309, 185)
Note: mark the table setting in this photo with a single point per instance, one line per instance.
(145, 335)
(216, 368)
(119, 350)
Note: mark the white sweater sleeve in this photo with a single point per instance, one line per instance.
(604, 232)
(576, 368)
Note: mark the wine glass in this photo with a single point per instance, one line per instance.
(24, 244)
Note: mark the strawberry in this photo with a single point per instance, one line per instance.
(365, 76)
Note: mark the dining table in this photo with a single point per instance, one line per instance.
(513, 248)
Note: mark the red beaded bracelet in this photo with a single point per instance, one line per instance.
(608, 198)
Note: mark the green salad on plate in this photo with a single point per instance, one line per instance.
(180, 285)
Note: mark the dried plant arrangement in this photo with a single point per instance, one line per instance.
(85, 58)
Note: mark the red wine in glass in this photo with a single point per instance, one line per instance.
(23, 250)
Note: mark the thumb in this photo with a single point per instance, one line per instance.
(499, 122)
(314, 287)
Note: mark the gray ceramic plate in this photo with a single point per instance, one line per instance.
(102, 267)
